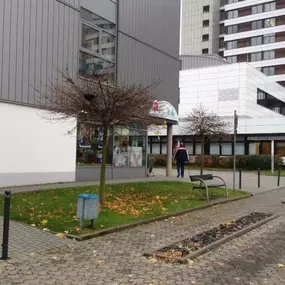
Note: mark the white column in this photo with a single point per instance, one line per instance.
(169, 150)
(272, 156)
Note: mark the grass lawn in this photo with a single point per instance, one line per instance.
(125, 203)
(269, 173)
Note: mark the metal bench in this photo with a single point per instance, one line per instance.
(203, 185)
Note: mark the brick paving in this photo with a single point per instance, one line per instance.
(117, 258)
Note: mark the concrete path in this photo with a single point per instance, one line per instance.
(116, 259)
(249, 179)
(249, 182)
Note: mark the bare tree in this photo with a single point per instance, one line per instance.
(97, 101)
(201, 122)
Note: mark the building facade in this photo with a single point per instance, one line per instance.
(247, 31)
(221, 89)
(200, 27)
(38, 38)
(255, 33)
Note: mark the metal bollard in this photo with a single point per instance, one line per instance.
(258, 177)
(278, 178)
(239, 184)
(6, 222)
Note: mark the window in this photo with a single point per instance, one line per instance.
(205, 51)
(95, 65)
(260, 94)
(232, 14)
(232, 45)
(268, 54)
(222, 15)
(90, 38)
(206, 23)
(222, 29)
(270, 102)
(97, 21)
(206, 9)
(205, 38)
(221, 43)
(268, 39)
(232, 59)
(108, 46)
(269, 7)
(257, 9)
(232, 29)
(232, 1)
(257, 56)
(256, 41)
(256, 25)
(269, 23)
(269, 70)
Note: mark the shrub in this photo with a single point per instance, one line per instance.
(245, 162)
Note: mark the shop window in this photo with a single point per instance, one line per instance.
(226, 149)
(215, 149)
(253, 148)
(130, 147)
(240, 149)
(280, 148)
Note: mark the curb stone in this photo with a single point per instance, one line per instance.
(152, 220)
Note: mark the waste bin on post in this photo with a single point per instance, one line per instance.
(87, 208)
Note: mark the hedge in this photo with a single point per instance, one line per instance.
(245, 162)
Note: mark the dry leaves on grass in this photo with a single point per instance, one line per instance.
(135, 204)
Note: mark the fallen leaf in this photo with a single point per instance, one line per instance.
(280, 265)
(100, 262)
(61, 236)
(153, 260)
(45, 229)
(33, 225)
(25, 200)
(44, 222)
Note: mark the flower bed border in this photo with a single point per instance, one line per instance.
(213, 245)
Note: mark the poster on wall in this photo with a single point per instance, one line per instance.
(84, 136)
(135, 155)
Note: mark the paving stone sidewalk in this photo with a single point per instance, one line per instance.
(117, 258)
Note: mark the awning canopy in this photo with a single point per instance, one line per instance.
(165, 111)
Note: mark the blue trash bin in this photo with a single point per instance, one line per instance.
(87, 207)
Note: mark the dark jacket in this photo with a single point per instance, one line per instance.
(181, 155)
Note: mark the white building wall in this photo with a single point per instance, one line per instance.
(34, 150)
(226, 88)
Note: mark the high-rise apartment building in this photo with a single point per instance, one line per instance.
(240, 30)
(200, 26)
(255, 32)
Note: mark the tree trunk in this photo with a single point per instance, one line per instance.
(202, 155)
(103, 166)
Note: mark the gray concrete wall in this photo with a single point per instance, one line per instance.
(103, 8)
(37, 37)
(148, 45)
(90, 173)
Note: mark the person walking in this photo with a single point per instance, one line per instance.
(181, 156)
